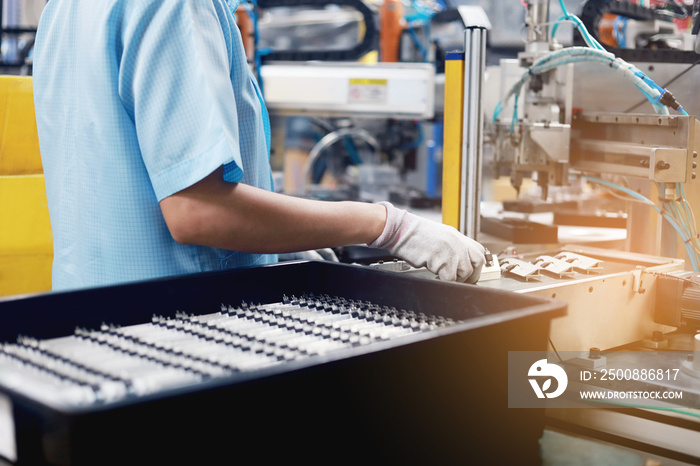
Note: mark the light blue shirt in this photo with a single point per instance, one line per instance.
(136, 100)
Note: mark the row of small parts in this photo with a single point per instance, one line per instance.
(562, 265)
(39, 371)
(337, 323)
(115, 362)
(366, 310)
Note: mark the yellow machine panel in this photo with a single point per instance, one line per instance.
(26, 249)
(452, 148)
(19, 146)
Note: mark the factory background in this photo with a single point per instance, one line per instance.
(562, 135)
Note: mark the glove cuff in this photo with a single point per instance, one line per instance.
(394, 228)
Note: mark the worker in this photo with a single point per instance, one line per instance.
(155, 145)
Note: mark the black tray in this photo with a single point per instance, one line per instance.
(439, 398)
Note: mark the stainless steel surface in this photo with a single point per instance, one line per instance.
(600, 90)
(654, 147)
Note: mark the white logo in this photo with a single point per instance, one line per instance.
(543, 369)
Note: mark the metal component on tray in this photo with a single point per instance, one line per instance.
(656, 341)
(580, 262)
(492, 268)
(593, 359)
(490, 271)
(394, 266)
(554, 266)
(519, 268)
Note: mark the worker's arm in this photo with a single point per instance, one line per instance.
(243, 218)
(239, 217)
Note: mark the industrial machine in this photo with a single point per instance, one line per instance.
(354, 90)
(548, 116)
(16, 40)
(554, 136)
(538, 127)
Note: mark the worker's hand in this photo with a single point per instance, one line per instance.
(440, 248)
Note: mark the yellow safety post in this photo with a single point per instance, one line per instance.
(26, 249)
(452, 142)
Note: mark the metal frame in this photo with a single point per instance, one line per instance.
(472, 130)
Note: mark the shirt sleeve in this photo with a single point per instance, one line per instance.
(175, 82)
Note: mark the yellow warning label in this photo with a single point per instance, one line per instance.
(366, 91)
(368, 82)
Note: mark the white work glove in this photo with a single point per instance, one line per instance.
(440, 248)
(325, 254)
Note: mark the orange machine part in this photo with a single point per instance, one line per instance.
(391, 26)
(605, 30)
